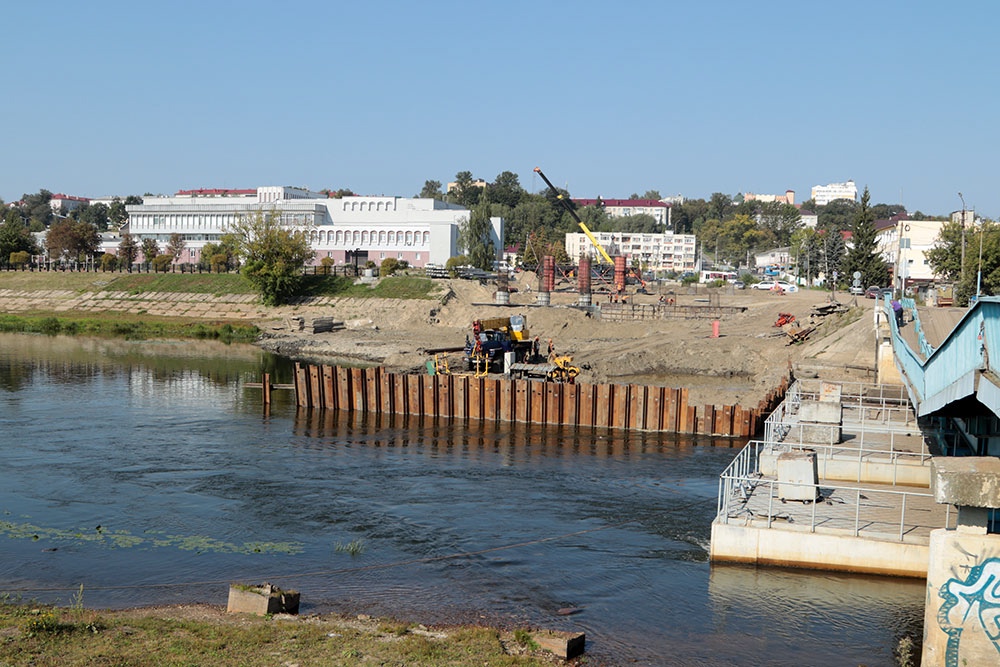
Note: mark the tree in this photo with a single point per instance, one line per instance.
(108, 262)
(505, 190)
(272, 254)
(117, 215)
(837, 215)
(865, 256)
(14, 236)
(128, 250)
(720, 206)
(176, 245)
(150, 249)
(780, 219)
(162, 262)
(38, 207)
(72, 239)
(95, 214)
(465, 193)
(474, 238)
(431, 190)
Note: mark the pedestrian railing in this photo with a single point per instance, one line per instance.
(746, 496)
(861, 455)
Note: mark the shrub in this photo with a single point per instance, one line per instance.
(161, 263)
(109, 262)
(388, 267)
(326, 263)
(20, 258)
(453, 263)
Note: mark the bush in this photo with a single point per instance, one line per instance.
(326, 263)
(389, 266)
(109, 262)
(161, 263)
(453, 263)
(20, 258)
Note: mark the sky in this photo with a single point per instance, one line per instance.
(117, 98)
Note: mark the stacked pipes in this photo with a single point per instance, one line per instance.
(583, 281)
(548, 280)
(620, 274)
(502, 297)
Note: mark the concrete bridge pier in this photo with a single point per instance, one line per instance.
(963, 575)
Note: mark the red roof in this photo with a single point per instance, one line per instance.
(69, 197)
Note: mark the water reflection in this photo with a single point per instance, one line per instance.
(172, 459)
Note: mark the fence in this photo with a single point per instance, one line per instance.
(615, 312)
(620, 406)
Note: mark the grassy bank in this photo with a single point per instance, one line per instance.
(118, 325)
(396, 287)
(202, 635)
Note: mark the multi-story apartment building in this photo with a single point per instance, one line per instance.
(904, 245)
(348, 230)
(655, 252)
(787, 198)
(619, 208)
(824, 194)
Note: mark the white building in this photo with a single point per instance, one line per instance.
(824, 194)
(787, 198)
(61, 202)
(655, 252)
(349, 230)
(620, 208)
(904, 245)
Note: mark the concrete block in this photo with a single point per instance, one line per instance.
(820, 412)
(829, 392)
(261, 600)
(971, 481)
(797, 476)
(820, 434)
(566, 645)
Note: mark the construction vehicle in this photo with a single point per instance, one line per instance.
(590, 235)
(492, 339)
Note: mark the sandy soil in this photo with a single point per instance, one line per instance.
(747, 359)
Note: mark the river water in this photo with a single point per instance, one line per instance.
(146, 472)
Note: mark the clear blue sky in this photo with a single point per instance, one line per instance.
(691, 98)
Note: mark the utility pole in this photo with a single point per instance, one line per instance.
(963, 236)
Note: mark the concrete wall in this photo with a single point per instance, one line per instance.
(797, 548)
(872, 471)
(963, 599)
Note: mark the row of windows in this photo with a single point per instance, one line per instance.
(369, 205)
(356, 237)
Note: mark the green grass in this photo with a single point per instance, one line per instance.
(395, 287)
(118, 325)
(43, 636)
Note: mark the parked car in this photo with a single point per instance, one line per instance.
(857, 290)
(776, 285)
(874, 292)
(739, 284)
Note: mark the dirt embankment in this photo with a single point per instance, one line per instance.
(748, 358)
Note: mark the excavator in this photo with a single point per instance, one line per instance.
(586, 230)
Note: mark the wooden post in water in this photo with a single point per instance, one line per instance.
(266, 390)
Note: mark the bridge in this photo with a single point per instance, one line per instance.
(943, 356)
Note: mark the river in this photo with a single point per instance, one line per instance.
(146, 472)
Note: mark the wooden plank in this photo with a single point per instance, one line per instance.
(445, 396)
(429, 401)
(726, 428)
(490, 399)
(620, 406)
(414, 395)
(399, 397)
(654, 409)
(692, 416)
(358, 389)
(586, 395)
(372, 402)
(537, 398)
(522, 401)
(301, 386)
(315, 387)
(553, 403)
(683, 415)
(570, 411)
(670, 410)
(746, 423)
(602, 407)
(476, 399)
(329, 388)
(385, 393)
(345, 399)
(637, 407)
(460, 396)
(506, 414)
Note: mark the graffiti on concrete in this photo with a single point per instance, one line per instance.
(976, 600)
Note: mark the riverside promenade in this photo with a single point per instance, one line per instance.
(840, 481)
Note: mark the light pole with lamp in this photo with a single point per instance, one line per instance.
(963, 235)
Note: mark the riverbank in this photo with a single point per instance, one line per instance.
(206, 634)
(741, 365)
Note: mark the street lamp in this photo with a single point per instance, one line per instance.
(963, 235)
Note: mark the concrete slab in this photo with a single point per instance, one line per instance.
(969, 481)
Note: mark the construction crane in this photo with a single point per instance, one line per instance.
(572, 212)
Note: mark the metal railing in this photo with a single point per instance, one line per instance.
(742, 483)
(860, 455)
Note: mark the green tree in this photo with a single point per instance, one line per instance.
(474, 238)
(176, 245)
(161, 263)
(807, 248)
(782, 220)
(431, 190)
(20, 259)
(108, 262)
(14, 236)
(837, 215)
(388, 267)
(505, 190)
(273, 254)
(465, 193)
(72, 239)
(150, 249)
(95, 214)
(128, 250)
(117, 215)
(38, 207)
(720, 206)
(865, 255)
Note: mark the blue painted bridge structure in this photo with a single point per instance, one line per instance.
(956, 379)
